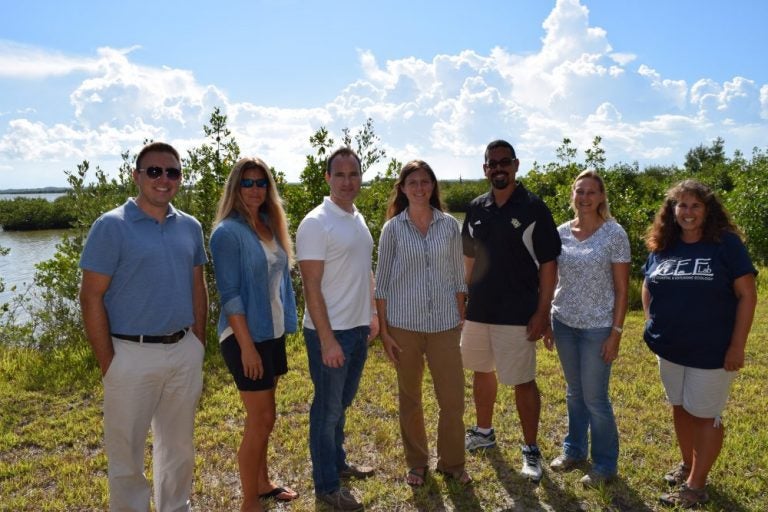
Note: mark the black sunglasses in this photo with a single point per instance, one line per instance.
(248, 183)
(504, 162)
(172, 173)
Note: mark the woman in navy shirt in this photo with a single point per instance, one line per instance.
(699, 298)
(252, 253)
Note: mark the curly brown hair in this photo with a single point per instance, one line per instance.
(665, 231)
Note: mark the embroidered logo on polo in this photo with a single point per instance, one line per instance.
(683, 269)
(515, 222)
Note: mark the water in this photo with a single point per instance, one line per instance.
(27, 248)
(50, 196)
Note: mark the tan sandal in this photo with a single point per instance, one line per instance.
(461, 477)
(416, 477)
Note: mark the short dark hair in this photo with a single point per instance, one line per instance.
(342, 151)
(499, 144)
(156, 147)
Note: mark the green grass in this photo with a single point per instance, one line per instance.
(51, 452)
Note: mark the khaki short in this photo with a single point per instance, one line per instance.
(702, 393)
(501, 348)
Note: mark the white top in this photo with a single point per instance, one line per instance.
(584, 296)
(343, 242)
(275, 274)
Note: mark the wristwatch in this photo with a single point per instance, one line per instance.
(618, 329)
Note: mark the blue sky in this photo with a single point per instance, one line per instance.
(85, 80)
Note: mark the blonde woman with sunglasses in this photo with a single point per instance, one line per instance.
(252, 254)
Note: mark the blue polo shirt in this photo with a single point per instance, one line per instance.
(151, 266)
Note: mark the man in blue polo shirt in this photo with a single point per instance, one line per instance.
(510, 248)
(144, 304)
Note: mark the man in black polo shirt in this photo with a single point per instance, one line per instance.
(510, 249)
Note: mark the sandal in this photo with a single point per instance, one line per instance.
(280, 494)
(461, 477)
(685, 497)
(416, 477)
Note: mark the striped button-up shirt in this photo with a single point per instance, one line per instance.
(419, 276)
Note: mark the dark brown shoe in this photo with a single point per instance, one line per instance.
(358, 472)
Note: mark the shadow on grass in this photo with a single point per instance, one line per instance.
(522, 491)
(624, 498)
(430, 496)
(721, 500)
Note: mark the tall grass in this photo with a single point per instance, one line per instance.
(51, 450)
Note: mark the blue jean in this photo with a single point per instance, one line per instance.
(335, 388)
(589, 406)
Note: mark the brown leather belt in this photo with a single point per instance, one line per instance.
(168, 339)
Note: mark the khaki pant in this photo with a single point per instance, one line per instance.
(444, 359)
(152, 386)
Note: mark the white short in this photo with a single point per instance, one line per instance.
(501, 348)
(702, 393)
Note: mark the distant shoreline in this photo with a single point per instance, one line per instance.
(44, 190)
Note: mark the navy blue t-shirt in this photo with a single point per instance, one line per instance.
(692, 303)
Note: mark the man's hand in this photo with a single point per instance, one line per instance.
(537, 325)
(374, 326)
(333, 356)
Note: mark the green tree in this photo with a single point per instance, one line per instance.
(207, 168)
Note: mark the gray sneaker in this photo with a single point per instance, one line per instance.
(565, 463)
(594, 480)
(475, 440)
(532, 463)
(678, 475)
(341, 500)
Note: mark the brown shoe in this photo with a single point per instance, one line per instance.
(358, 472)
(685, 497)
(341, 500)
(677, 476)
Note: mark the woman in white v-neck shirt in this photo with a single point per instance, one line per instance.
(588, 311)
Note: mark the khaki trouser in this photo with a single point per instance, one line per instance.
(444, 359)
(157, 386)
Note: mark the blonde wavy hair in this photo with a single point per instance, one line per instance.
(232, 201)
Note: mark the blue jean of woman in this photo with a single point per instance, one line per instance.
(589, 406)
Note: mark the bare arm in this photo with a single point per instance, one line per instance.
(92, 290)
(375, 320)
(539, 322)
(645, 296)
(391, 348)
(199, 303)
(620, 272)
(469, 264)
(312, 278)
(746, 293)
(252, 364)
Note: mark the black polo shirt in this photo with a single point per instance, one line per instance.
(508, 244)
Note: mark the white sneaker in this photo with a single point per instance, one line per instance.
(532, 463)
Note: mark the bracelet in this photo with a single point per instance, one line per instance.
(618, 329)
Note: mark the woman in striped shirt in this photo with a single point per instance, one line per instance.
(420, 293)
